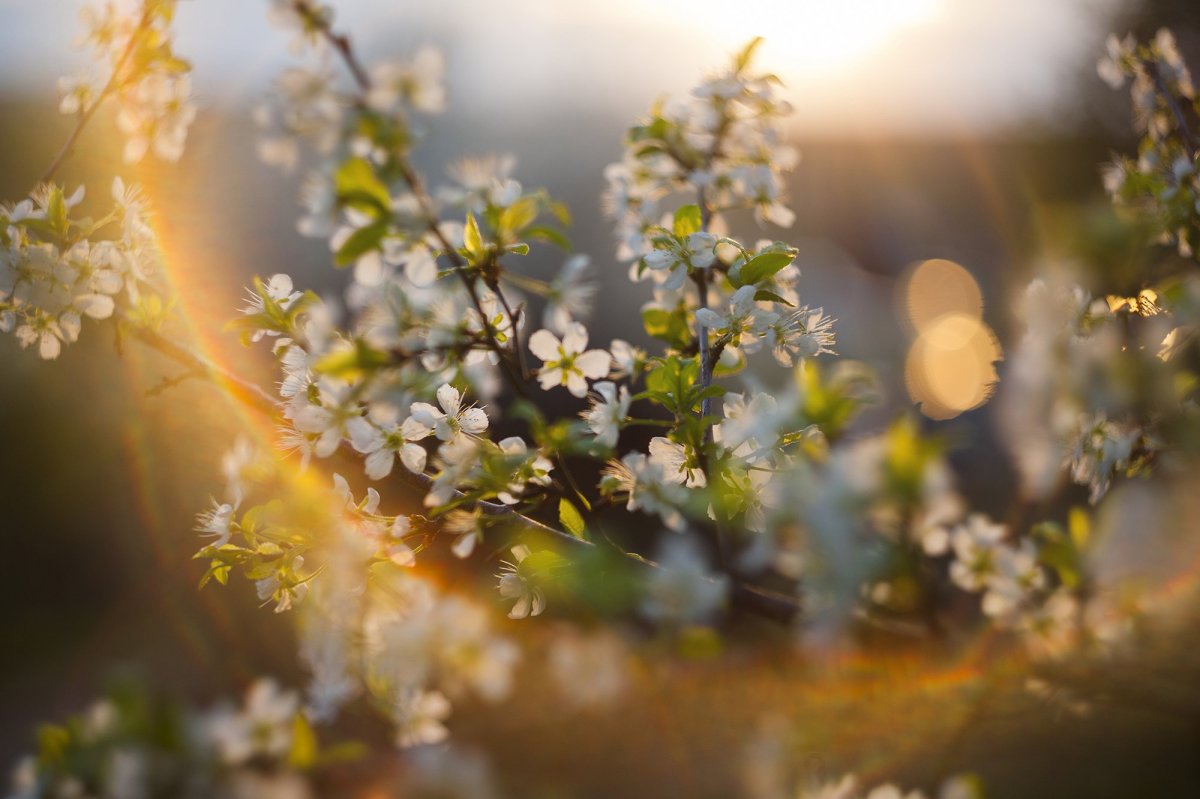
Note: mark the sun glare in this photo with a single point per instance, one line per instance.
(810, 35)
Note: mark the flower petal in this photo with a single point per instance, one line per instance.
(379, 463)
(575, 339)
(413, 457)
(594, 363)
(549, 378)
(576, 384)
(544, 345)
(449, 398)
(473, 421)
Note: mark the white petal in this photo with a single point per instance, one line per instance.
(675, 279)
(539, 602)
(449, 398)
(364, 436)
(575, 339)
(50, 347)
(521, 609)
(513, 445)
(379, 463)
(401, 555)
(594, 363)
(742, 300)
(413, 457)
(473, 421)
(544, 345)
(420, 269)
(464, 545)
(69, 325)
(372, 503)
(97, 306)
(425, 416)
(659, 259)
(549, 378)
(576, 384)
(710, 318)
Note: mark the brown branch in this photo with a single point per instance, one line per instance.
(86, 115)
(1184, 129)
(243, 390)
(341, 44)
(765, 602)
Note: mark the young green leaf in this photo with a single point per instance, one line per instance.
(568, 516)
(763, 266)
(687, 220)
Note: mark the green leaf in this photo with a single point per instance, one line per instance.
(519, 215)
(762, 295)
(56, 211)
(561, 213)
(362, 241)
(742, 60)
(568, 516)
(472, 239)
(352, 362)
(358, 185)
(540, 566)
(687, 220)
(303, 754)
(548, 234)
(53, 741)
(673, 384)
(520, 248)
(763, 266)
(670, 326)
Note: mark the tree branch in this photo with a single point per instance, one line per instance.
(86, 115)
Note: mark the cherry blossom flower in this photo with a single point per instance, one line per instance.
(513, 584)
(679, 256)
(417, 82)
(682, 590)
(568, 298)
(262, 727)
(449, 423)
(566, 362)
(678, 463)
(381, 445)
(608, 412)
(419, 715)
(975, 543)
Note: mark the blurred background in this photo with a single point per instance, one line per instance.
(929, 129)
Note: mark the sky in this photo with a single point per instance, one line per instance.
(851, 66)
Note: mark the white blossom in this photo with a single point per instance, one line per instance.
(568, 362)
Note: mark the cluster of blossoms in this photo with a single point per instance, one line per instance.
(1093, 382)
(1016, 589)
(724, 139)
(367, 619)
(132, 744)
(768, 771)
(1161, 184)
(435, 320)
(57, 266)
(133, 48)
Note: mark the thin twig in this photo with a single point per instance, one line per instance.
(341, 44)
(86, 115)
(242, 389)
(768, 603)
(1184, 129)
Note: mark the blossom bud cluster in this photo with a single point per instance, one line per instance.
(724, 138)
(58, 267)
(133, 49)
(1162, 184)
